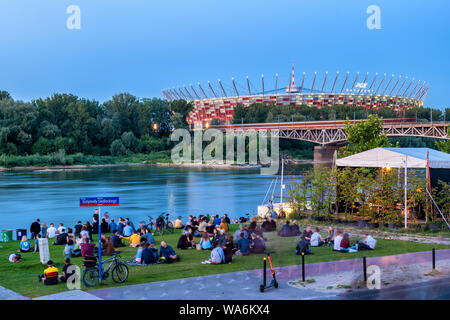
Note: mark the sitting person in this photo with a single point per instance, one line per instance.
(69, 250)
(15, 257)
(167, 253)
(108, 247)
(203, 224)
(307, 234)
(258, 245)
(178, 223)
(149, 254)
(368, 242)
(243, 245)
(337, 241)
(285, 230)
(219, 237)
(237, 234)
(229, 249)
(217, 255)
(259, 232)
(127, 230)
(331, 235)
(223, 225)
(117, 239)
(147, 236)
(138, 257)
(205, 243)
(316, 239)
(50, 276)
(295, 229)
(272, 224)
(302, 247)
(186, 241)
(68, 271)
(135, 239)
(210, 227)
(61, 239)
(87, 249)
(345, 242)
(253, 224)
(25, 245)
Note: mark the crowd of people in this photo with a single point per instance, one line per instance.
(205, 232)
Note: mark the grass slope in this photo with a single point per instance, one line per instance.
(22, 277)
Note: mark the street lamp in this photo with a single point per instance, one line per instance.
(155, 126)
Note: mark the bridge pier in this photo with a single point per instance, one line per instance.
(323, 155)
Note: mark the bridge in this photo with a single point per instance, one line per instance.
(331, 134)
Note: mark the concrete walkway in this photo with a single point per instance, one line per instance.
(243, 285)
(6, 294)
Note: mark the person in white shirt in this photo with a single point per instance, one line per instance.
(61, 228)
(316, 239)
(337, 241)
(367, 243)
(51, 232)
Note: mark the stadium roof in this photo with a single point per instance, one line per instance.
(395, 158)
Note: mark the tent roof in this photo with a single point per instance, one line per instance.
(395, 158)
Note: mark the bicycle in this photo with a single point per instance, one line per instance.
(119, 271)
(163, 224)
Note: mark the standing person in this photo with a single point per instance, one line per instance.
(217, 220)
(227, 220)
(60, 228)
(106, 217)
(112, 226)
(44, 230)
(36, 243)
(95, 223)
(35, 229)
(120, 226)
(51, 232)
(78, 227)
(229, 249)
(270, 208)
(89, 229)
(104, 226)
(95, 216)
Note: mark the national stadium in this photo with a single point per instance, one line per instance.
(218, 101)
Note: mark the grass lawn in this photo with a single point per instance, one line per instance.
(22, 277)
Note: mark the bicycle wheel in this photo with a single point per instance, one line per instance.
(90, 277)
(120, 273)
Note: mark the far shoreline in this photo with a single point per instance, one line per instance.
(83, 167)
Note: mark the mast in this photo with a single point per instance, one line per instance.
(234, 85)
(262, 79)
(223, 90)
(345, 81)
(334, 83)
(248, 87)
(382, 80)
(203, 92)
(314, 81)
(324, 81)
(211, 88)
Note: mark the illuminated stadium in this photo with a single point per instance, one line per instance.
(218, 101)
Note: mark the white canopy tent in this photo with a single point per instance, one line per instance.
(398, 158)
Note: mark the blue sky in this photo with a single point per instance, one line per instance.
(143, 46)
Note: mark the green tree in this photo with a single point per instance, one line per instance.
(364, 135)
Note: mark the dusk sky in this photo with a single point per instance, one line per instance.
(143, 46)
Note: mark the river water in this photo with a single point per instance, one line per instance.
(53, 196)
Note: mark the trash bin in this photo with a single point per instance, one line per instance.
(20, 233)
(6, 235)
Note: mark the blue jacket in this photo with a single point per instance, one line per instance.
(166, 252)
(112, 227)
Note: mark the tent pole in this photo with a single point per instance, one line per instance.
(406, 192)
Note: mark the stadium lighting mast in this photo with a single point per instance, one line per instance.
(248, 87)
(221, 87)
(379, 86)
(335, 80)
(345, 81)
(407, 88)
(262, 80)
(373, 81)
(211, 88)
(414, 89)
(188, 93)
(401, 87)
(201, 90)
(324, 81)
(314, 82)
(356, 79)
(234, 86)
(303, 82)
(276, 83)
(392, 90)
(387, 86)
(364, 82)
(193, 90)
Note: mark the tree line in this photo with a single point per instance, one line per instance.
(120, 126)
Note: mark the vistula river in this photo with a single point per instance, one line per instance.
(53, 196)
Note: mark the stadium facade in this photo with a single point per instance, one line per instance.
(380, 91)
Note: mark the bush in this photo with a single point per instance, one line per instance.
(117, 148)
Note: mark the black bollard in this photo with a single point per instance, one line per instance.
(434, 258)
(364, 269)
(264, 276)
(303, 266)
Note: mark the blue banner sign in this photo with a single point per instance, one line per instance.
(99, 202)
